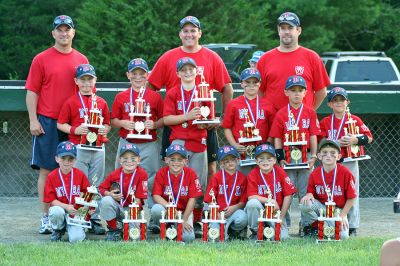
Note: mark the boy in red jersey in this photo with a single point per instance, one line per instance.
(62, 186)
(257, 110)
(266, 178)
(229, 188)
(335, 177)
(332, 127)
(185, 187)
(117, 188)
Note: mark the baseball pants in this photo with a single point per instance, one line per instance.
(237, 222)
(58, 216)
(110, 209)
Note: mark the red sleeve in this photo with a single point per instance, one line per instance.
(35, 76)
(160, 106)
(321, 78)
(229, 116)
(324, 129)
(106, 184)
(350, 185)
(106, 113)
(277, 127)
(158, 187)
(117, 107)
(363, 128)
(49, 191)
(194, 186)
(243, 198)
(157, 77)
(85, 182)
(213, 185)
(141, 186)
(288, 187)
(261, 69)
(252, 186)
(221, 76)
(169, 103)
(311, 186)
(65, 114)
(315, 129)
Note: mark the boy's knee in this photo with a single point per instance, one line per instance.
(188, 237)
(77, 238)
(253, 205)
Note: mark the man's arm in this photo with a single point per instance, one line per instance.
(319, 97)
(31, 104)
(227, 95)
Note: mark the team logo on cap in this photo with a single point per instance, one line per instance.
(264, 147)
(227, 149)
(137, 61)
(128, 146)
(176, 147)
(68, 146)
(299, 70)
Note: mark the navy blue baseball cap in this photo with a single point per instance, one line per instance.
(85, 69)
(190, 19)
(66, 148)
(331, 142)
(176, 148)
(185, 61)
(295, 81)
(226, 151)
(289, 18)
(265, 148)
(256, 56)
(63, 20)
(250, 73)
(129, 147)
(337, 91)
(138, 63)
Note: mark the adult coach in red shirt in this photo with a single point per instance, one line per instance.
(208, 62)
(289, 59)
(49, 84)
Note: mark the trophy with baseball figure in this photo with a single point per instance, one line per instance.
(204, 98)
(86, 204)
(327, 232)
(295, 144)
(134, 216)
(353, 152)
(170, 219)
(211, 216)
(139, 113)
(269, 233)
(93, 121)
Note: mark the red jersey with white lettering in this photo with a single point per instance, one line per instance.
(344, 185)
(54, 189)
(137, 181)
(283, 186)
(190, 188)
(307, 123)
(51, 76)
(230, 191)
(234, 116)
(121, 109)
(275, 68)
(328, 132)
(194, 137)
(73, 113)
(207, 61)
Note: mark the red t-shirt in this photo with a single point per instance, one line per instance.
(307, 122)
(217, 185)
(234, 117)
(191, 187)
(138, 184)
(51, 76)
(283, 185)
(215, 72)
(121, 105)
(53, 188)
(195, 138)
(326, 128)
(73, 113)
(275, 68)
(344, 185)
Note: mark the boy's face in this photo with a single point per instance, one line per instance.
(229, 163)
(187, 73)
(176, 162)
(137, 77)
(338, 104)
(66, 163)
(329, 155)
(85, 84)
(250, 87)
(129, 161)
(296, 94)
(190, 35)
(266, 162)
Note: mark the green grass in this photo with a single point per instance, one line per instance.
(356, 251)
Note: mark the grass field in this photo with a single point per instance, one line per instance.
(355, 251)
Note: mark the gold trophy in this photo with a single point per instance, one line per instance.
(132, 217)
(295, 146)
(211, 216)
(171, 219)
(273, 231)
(327, 232)
(140, 111)
(249, 137)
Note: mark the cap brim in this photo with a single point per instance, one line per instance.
(339, 93)
(330, 142)
(295, 85)
(258, 154)
(125, 151)
(188, 63)
(177, 152)
(189, 22)
(63, 24)
(86, 74)
(133, 68)
(229, 154)
(252, 76)
(288, 22)
(66, 154)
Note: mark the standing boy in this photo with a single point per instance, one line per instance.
(229, 187)
(332, 127)
(268, 180)
(332, 177)
(185, 187)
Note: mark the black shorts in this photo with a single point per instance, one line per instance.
(212, 143)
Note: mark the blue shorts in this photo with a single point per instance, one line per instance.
(44, 146)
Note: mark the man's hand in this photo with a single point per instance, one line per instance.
(36, 128)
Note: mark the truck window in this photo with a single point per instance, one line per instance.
(352, 71)
(328, 66)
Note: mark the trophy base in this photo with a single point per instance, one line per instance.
(127, 221)
(269, 220)
(168, 221)
(353, 159)
(139, 114)
(213, 221)
(93, 126)
(326, 240)
(294, 143)
(206, 121)
(139, 136)
(90, 147)
(79, 222)
(253, 139)
(296, 166)
(247, 162)
(204, 99)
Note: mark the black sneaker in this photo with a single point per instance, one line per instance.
(56, 235)
(353, 232)
(97, 228)
(310, 231)
(198, 230)
(237, 235)
(114, 235)
(155, 229)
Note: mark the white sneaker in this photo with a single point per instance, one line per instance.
(45, 227)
